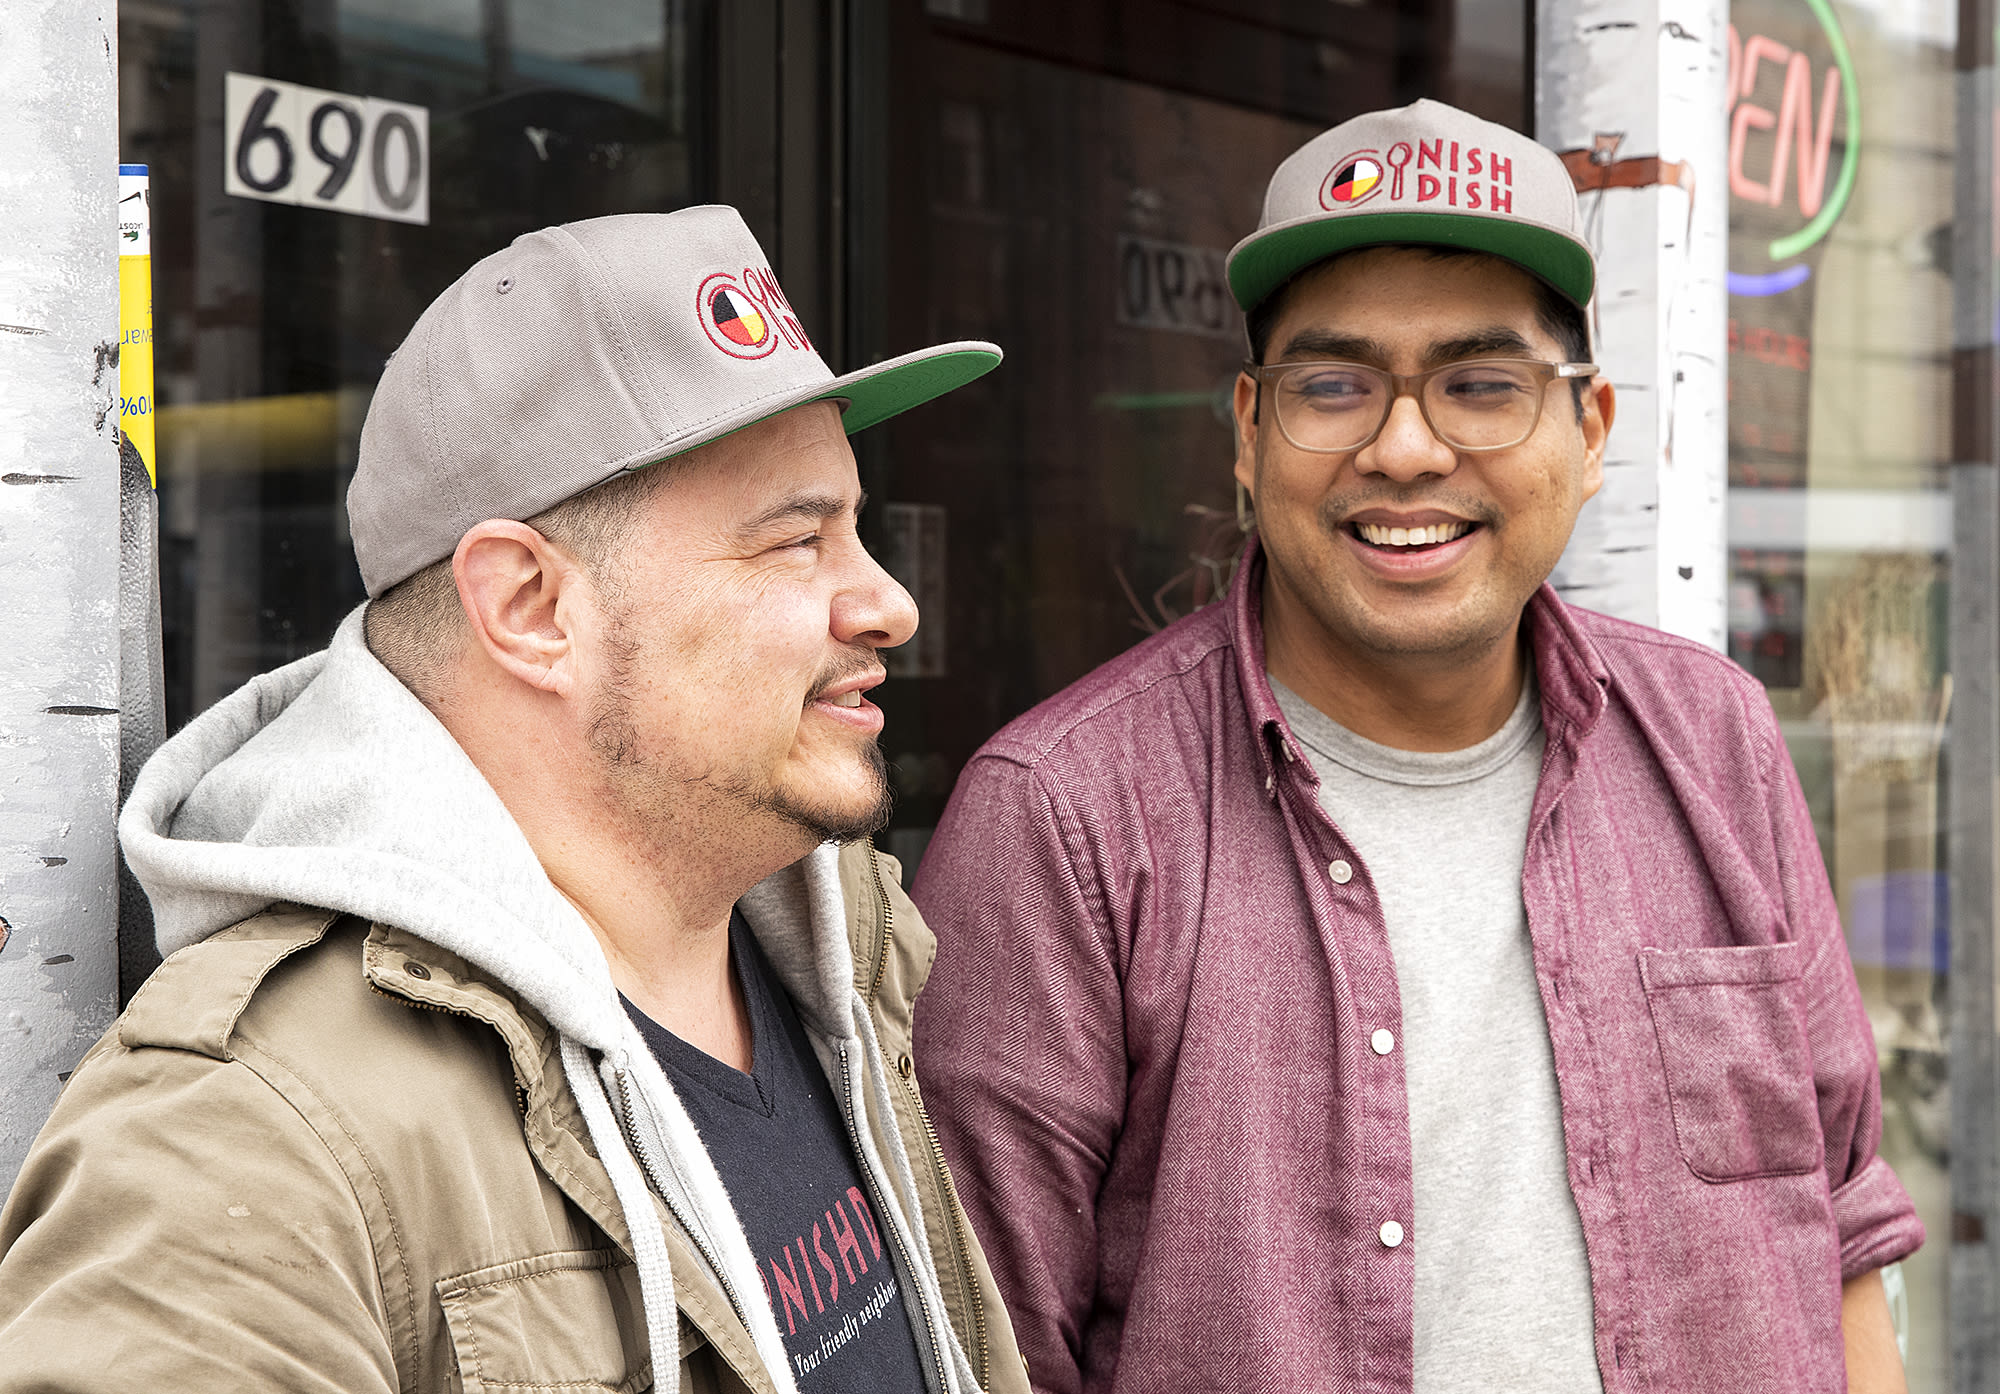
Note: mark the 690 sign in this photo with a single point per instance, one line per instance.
(292, 144)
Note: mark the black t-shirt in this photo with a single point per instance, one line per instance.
(780, 1145)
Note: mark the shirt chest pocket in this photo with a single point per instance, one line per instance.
(571, 1321)
(1738, 1064)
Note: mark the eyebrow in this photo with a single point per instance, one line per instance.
(808, 506)
(1318, 343)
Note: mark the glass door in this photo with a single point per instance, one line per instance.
(1840, 514)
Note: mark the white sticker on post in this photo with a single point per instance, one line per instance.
(318, 149)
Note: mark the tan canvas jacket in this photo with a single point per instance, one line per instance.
(317, 1154)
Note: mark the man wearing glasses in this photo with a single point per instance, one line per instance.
(1391, 977)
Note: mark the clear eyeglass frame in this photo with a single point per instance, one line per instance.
(1415, 385)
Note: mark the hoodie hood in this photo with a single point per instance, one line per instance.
(327, 783)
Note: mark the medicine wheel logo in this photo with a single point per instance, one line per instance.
(1354, 180)
(731, 318)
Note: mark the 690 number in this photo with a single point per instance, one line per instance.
(318, 149)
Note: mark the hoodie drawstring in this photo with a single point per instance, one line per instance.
(635, 1198)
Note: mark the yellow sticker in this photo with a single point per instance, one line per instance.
(135, 314)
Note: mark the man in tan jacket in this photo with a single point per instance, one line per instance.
(535, 1016)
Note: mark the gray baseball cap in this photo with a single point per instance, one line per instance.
(1426, 173)
(584, 351)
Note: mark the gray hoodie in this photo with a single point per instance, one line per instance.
(328, 783)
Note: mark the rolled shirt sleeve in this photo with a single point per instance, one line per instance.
(1876, 1219)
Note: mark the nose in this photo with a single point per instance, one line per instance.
(873, 609)
(1406, 449)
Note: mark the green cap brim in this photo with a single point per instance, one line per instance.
(882, 390)
(871, 395)
(1266, 261)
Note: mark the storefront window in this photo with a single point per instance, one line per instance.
(1841, 183)
(422, 135)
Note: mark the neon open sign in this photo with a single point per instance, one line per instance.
(1802, 129)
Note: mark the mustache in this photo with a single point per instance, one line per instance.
(862, 663)
(1335, 508)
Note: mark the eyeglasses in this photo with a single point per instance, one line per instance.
(1475, 404)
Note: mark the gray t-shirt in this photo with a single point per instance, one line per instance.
(1502, 1280)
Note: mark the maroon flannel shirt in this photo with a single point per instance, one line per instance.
(1146, 1039)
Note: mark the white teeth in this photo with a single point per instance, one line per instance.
(1381, 536)
(847, 699)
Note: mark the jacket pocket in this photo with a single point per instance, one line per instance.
(571, 1320)
(1738, 1065)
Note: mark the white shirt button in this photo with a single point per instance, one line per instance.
(1383, 1041)
(1341, 872)
(1392, 1234)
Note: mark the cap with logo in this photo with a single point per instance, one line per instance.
(1426, 173)
(582, 352)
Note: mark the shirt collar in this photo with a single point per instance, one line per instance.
(1574, 680)
(1246, 626)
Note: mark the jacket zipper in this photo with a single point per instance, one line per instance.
(654, 1172)
(639, 1149)
(888, 925)
(959, 1237)
(909, 1262)
(649, 1164)
(961, 1242)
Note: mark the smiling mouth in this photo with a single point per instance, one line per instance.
(1390, 539)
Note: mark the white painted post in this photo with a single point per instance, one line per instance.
(59, 551)
(1633, 94)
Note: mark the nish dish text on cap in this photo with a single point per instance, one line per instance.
(1428, 174)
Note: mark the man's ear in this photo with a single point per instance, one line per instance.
(1244, 407)
(1600, 407)
(521, 595)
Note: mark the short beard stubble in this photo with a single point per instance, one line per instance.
(656, 791)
